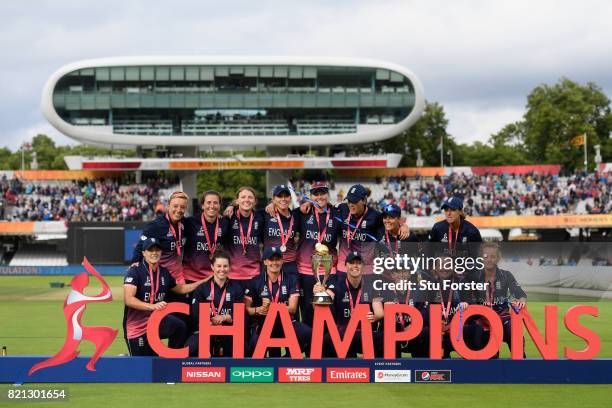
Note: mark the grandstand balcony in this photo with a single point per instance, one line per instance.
(101, 101)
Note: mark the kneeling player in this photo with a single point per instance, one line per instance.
(501, 287)
(413, 296)
(274, 286)
(349, 290)
(222, 293)
(451, 302)
(144, 289)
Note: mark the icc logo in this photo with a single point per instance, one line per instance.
(74, 306)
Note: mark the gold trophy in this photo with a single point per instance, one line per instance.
(320, 257)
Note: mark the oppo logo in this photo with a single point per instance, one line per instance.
(252, 374)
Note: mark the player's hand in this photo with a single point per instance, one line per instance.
(262, 311)
(265, 303)
(227, 319)
(404, 231)
(318, 288)
(518, 304)
(370, 317)
(229, 211)
(445, 328)
(217, 320)
(160, 305)
(270, 210)
(305, 207)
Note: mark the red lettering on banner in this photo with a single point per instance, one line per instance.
(496, 336)
(572, 323)
(265, 340)
(236, 330)
(391, 335)
(299, 374)
(203, 374)
(323, 316)
(547, 346)
(435, 331)
(347, 374)
(153, 331)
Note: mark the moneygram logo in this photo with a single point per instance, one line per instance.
(252, 374)
(299, 374)
(432, 376)
(396, 376)
(348, 375)
(203, 374)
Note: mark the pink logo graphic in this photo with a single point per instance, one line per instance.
(74, 306)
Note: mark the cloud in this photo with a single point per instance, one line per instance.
(479, 59)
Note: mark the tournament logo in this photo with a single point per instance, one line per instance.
(299, 374)
(432, 376)
(203, 374)
(252, 374)
(74, 307)
(392, 376)
(348, 375)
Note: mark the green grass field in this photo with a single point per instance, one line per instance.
(32, 324)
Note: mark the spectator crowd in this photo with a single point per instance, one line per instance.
(81, 200)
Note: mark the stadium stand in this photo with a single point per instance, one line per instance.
(83, 200)
(490, 194)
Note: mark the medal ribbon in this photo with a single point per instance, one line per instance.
(397, 241)
(211, 247)
(321, 234)
(491, 293)
(212, 298)
(407, 300)
(348, 288)
(349, 236)
(451, 247)
(284, 238)
(178, 243)
(248, 234)
(275, 298)
(154, 288)
(446, 311)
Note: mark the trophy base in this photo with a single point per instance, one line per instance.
(322, 298)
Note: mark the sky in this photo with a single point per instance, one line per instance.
(479, 59)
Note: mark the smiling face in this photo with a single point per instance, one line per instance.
(357, 208)
(211, 206)
(321, 198)
(245, 200)
(152, 255)
(354, 268)
(490, 256)
(221, 268)
(441, 271)
(391, 224)
(282, 201)
(177, 208)
(274, 264)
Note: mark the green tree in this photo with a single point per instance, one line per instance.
(555, 114)
(425, 135)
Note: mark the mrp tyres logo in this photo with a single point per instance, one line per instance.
(252, 374)
(299, 374)
(432, 376)
(74, 307)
